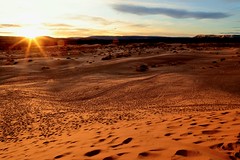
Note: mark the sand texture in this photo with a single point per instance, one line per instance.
(121, 102)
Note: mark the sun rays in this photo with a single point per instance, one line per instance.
(31, 41)
(35, 40)
(32, 35)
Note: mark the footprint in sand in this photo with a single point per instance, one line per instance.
(230, 149)
(126, 141)
(204, 125)
(216, 146)
(236, 124)
(61, 155)
(186, 134)
(198, 142)
(135, 146)
(143, 154)
(230, 146)
(109, 136)
(70, 147)
(168, 134)
(186, 153)
(193, 124)
(147, 154)
(177, 139)
(157, 150)
(92, 153)
(148, 123)
(210, 131)
(224, 113)
(101, 140)
(176, 119)
(108, 158)
(223, 122)
(121, 154)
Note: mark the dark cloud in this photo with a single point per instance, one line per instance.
(9, 25)
(174, 13)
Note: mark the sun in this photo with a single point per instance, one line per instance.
(31, 35)
(31, 32)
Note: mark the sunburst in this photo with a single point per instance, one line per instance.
(31, 32)
(32, 36)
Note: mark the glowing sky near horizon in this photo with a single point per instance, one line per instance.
(80, 18)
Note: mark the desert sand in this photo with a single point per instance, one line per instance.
(121, 102)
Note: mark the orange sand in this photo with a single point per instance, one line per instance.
(185, 106)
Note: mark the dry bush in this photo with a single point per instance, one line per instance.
(142, 68)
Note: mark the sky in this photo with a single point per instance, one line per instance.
(82, 18)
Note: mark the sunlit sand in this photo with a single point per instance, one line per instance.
(120, 102)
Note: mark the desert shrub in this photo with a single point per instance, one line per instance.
(142, 68)
(214, 62)
(222, 59)
(45, 68)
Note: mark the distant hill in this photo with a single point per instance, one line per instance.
(217, 36)
(126, 37)
(7, 42)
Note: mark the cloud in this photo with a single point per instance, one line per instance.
(101, 20)
(236, 27)
(104, 22)
(82, 32)
(232, 1)
(98, 20)
(5, 32)
(9, 26)
(232, 33)
(57, 25)
(138, 25)
(171, 12)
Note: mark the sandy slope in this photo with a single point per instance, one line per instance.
(186, 106)
(188, 136)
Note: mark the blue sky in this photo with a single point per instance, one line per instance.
(75, 18)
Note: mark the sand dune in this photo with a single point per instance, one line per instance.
(208, 135)
(185, 105)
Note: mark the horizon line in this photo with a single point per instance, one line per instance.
(58, 37)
